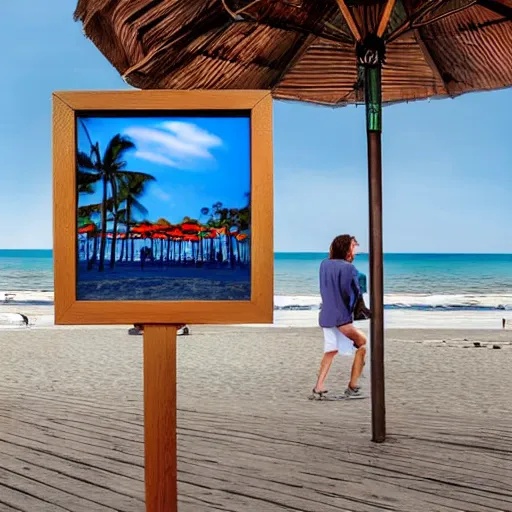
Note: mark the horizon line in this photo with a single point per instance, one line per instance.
(317, 252)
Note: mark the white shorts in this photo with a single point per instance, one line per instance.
(334, 341)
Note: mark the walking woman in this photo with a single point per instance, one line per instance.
(339, 288)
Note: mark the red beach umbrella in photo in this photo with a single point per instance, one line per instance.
(174, 232)
(188, 227)
(89, 228)
(144, 228)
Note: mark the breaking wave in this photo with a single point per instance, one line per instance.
(417, 302)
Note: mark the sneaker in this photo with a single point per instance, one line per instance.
(353, 393)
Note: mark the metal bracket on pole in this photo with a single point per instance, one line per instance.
(373, 98)
(371, 56)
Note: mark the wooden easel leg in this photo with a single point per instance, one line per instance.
(160, 418)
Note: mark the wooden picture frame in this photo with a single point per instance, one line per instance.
(69, 310)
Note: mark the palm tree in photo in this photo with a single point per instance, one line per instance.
(132, 186)
(226, 222)
(87, 226)
(115, 218)
(121, 219)
(91, 211)
(234, 221)
(226, 219)
(204, 213)
(244, 217)
(164, 223)
(107, 168)
(86, 185)
(85, 180)
(244, 214)
(128, 185)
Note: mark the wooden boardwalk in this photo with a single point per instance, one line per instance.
(67, 452)
(60, 454)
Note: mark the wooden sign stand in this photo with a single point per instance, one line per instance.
(160, 339)
(160, 418)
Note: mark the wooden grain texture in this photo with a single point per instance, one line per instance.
(162, 100)
(347, 14)
(64, 206)
(160, 418)
(68, 309)
(386, 15)
(262, 248)
(159, 312)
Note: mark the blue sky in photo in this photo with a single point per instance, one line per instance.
(196, 161)
(447, 164)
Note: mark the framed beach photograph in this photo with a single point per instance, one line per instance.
(163, 207)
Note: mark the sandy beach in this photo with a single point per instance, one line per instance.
(248, 437)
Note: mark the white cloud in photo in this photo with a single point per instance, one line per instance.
(159, 193)
(155, 158)
(173, 143)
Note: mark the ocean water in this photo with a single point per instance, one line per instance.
(26, 270)
(412, 281)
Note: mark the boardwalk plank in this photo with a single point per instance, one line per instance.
(35, 486)
(6, 508)
(98, 472)
(25, 502)
(86, 495)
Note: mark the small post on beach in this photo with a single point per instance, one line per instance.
(160, 418)
(371, 55)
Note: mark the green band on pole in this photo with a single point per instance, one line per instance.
(373, 97)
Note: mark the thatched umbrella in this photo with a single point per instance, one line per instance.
(333, 52)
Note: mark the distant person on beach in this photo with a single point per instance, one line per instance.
(145, 254)
(339, 289)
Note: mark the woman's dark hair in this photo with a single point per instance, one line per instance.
(340, 247)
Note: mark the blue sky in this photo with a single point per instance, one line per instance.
(447, 164)
(196, 162)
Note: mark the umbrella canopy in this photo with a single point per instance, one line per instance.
(173, 232)
(304, 49)
(188, 227)
(88, 228)
(145, 228)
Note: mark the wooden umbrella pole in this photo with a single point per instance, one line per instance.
(373, 101)
(160, 418)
